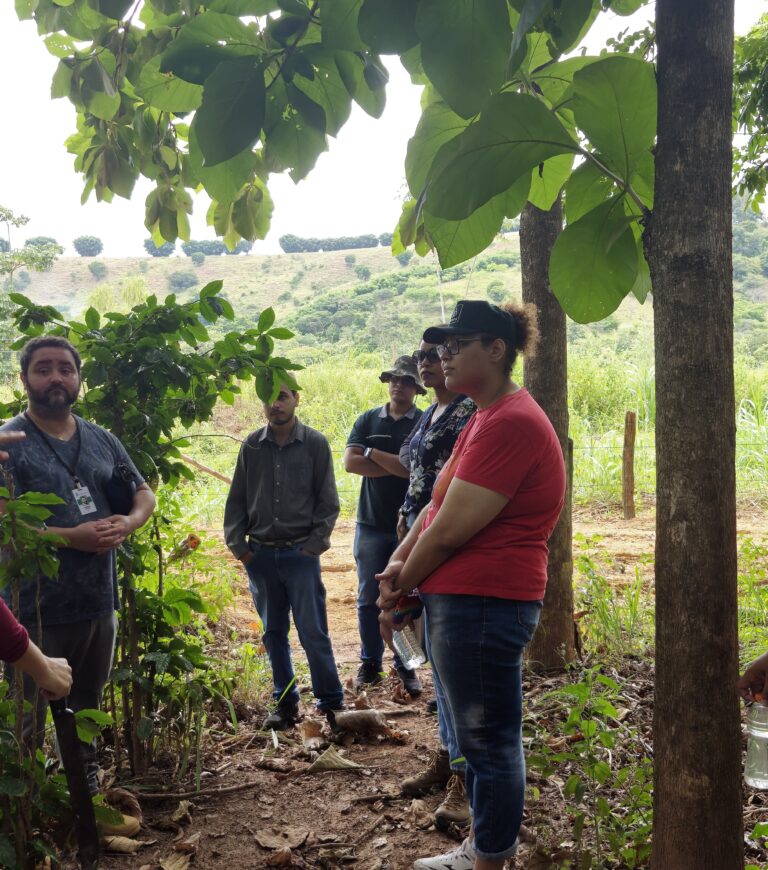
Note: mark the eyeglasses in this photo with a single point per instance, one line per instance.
(453, 346)
(430, 355)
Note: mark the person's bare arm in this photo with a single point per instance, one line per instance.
(53, 676)
(466, 510)
(390, 462)
(126, 524)
(356, 463)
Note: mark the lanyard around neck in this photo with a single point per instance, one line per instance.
(72, 469)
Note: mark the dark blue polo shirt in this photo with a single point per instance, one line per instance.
(381, 497)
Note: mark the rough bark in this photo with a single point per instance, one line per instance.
(697, 797)
(546, 377)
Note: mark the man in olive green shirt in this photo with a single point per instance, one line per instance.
(280, 512)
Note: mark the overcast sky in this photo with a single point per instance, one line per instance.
(355, 188)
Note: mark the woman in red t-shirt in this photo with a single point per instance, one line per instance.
(478, 555)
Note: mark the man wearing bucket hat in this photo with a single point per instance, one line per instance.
(372, 452)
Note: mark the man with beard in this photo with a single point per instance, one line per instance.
(76, 460)
(280, 512)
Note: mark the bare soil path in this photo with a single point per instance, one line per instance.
(351, 818)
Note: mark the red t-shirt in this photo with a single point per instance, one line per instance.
(14, 639)
(511, 448)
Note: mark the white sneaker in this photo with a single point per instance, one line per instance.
(462, 858)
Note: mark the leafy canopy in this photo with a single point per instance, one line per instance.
(219, 95)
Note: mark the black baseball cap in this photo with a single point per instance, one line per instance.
(474, 315)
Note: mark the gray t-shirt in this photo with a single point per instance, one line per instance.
(86, 587)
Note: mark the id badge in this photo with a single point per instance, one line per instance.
(84, 500)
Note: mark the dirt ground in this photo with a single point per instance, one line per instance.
(348, 818)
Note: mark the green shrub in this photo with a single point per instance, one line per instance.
(182, 280)
(350, 259)
(88, 246)
(165, 250)
(405, 258)
(362, 272)
(198, 258)
(496, 291)
(98, 270)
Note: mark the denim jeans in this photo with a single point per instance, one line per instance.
(477, 647)
(445, 727)
(284, 582)
(372, 550)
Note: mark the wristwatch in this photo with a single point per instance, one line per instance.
(367, 452)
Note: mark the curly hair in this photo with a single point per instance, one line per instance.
(526, 333)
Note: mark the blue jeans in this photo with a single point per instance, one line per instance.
(445, 727)
(372, 550)
(284, 582)
(477, 648)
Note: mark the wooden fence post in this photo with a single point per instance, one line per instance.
(628, 466)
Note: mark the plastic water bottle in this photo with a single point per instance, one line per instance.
(407, 647)
(756, 765)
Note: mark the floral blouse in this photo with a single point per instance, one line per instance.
(428, 448)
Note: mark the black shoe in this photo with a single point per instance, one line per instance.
(283, 717)
(432, 705)
(368, 674)
(410, 679)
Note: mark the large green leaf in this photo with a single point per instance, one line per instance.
(232, 112)
(438, 124)
(354, 69)
(594, 263)
(326, 88)
(166, 92)
(464, 46)
(571, 22)
(625, 7)
(224, 180)
(515, 133)
(615, 106)
(555, 80)
(547, 180)
(586, 189)
(215, 28)
(114, 8)
(291, 141)
(338, 19)
(193, 61)
(530, 11)
(388, 26)
(457, 241)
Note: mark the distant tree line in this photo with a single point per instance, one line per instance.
(214, 247)
(298, 245)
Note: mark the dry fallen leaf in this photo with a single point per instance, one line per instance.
(182, 813)
(277, 838)
(332, 759)
(311, 733)
(282, 858)
(189, 845)
(123, 845)
(419, 814)
(125, 801)
(362, 702)
(176, 861)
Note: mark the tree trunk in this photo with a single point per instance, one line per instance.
(697, 796)
(546, 377)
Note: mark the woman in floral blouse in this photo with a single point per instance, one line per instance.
(424, 453)
(429, 445)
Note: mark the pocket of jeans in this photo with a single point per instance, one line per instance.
(529, 614)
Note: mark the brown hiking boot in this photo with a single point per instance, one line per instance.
(436, 773)
(455, 808)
